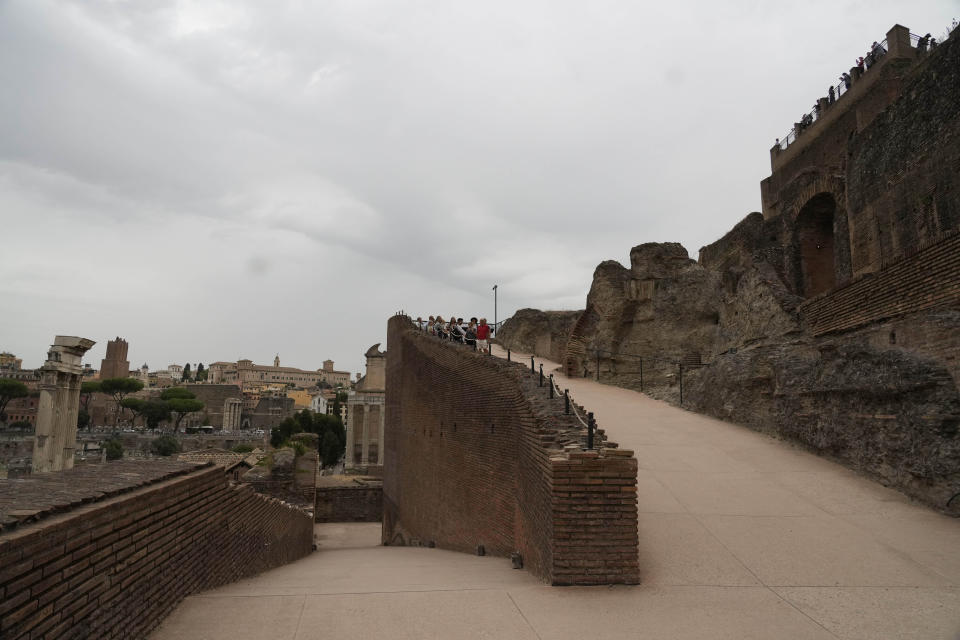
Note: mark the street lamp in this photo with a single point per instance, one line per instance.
(495, 309)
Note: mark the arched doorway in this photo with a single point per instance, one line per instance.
(816, 245)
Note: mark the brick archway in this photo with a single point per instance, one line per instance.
(816, 246)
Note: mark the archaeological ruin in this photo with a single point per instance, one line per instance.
(56, 431)
(832, 317)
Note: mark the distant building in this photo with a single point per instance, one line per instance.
(318, 403)
(365, 405)
(301, 398)
(245, 373)
(10, 361)
(115, 364)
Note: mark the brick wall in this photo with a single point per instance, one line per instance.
(351, 503)
(115, 568)
(476, 454)
(928, 279)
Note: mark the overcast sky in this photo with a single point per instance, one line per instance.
(225, 180)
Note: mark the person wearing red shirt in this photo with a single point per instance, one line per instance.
(483, 336)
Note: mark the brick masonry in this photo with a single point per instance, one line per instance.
(114, 563)
(928, 279)
(477, 455)
(350, 503)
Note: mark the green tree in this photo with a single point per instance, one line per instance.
(114, 448)
(186, 372)
(201, 373)
(135, 406)
(181, 403)
(10, 389)
(331, 449)
(118, 389)
(154, 412)
(87, 389)
(165, 445)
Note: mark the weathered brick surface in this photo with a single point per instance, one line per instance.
(354, 503)
(114, 566)
(929, 279)
(476, 454)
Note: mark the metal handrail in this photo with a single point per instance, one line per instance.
(807, 119)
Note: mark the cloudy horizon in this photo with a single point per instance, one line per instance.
(225, 180)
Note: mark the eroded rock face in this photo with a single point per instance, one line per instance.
(746, 358)
(544, 333)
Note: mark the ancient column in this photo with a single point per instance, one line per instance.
(60, 378)
(380, 446)
(365, 443)
(350, 423)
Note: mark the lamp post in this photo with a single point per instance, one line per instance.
(495, 309)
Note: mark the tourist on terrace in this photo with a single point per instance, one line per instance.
(471, 337)
(877, 50)
(430, 325)
(831, 95)
(457, 332)
(923, 44)
(846, 79)
(483, 336)
(440, 328)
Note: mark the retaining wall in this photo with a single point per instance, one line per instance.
(477, 457)
(123, 555)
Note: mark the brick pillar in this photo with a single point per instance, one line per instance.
(898, 42)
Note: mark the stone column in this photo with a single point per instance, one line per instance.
(56, 432)
(365, 443)
(380, 448)
(348, 454)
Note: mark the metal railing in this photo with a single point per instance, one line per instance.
(588, 422)
(833, 94)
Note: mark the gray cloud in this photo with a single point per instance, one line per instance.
(232, 179)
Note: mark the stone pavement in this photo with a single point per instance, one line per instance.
(741, 536)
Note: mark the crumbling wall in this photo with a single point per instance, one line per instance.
(110, 556)
(476, 458)
(543, 333)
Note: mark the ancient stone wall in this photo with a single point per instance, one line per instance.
(476, 457)
(350, 503)
(213, 397)
(108, 553)
(543, 333)
(903, 170)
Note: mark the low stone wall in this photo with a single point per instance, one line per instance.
(349, 503)
(108, 552)
(479, 458)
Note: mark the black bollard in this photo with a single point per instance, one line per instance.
(566, 402)
(591, 425)
(508, 355)
(551, 386)
(532, 368)
(541, 374)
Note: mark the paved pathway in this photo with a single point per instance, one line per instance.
(741, 536)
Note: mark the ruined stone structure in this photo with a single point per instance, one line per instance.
(115, 363)
(833, 317)
(479, 459)
(220, 402)
(542, 332)
(56, 429)
(107, 551)
(365, 404)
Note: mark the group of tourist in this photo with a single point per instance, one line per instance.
(475, 333)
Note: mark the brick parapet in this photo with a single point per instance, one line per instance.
(478, 455)
(116, 567)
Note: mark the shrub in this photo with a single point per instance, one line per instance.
(114, 448)
(165, 445)
(242, 448)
